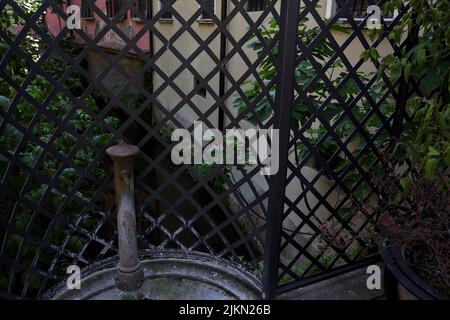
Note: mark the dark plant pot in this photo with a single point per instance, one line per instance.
(400, 280)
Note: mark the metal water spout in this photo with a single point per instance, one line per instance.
(129, 275)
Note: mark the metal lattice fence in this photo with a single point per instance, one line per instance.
(137, 70)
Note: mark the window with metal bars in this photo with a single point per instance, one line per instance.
(200, 90)
(358, 8)
(140, 9)
(113, 7)
(167, 14)
(255, 5)
(208, 9)
(86, 9)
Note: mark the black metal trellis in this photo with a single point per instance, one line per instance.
(287, 237)
(177, 207)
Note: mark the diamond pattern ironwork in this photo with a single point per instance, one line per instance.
(57, 193)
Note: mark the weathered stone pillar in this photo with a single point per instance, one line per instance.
(129, 275)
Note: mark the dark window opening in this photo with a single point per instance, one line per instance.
(140, 9)
(201, 91)
(208, 9)
(167, 14)
(359, 8)
(256, 5)
(113, 7)
(86, 9)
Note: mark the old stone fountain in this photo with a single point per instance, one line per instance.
(153, 275)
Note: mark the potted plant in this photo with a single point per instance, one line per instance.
(414, 212)
(414, 237)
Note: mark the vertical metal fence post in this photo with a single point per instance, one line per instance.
(129, 271)
(282, 119)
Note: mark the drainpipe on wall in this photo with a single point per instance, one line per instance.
(223, 53)
(151, 50)
(150, 34)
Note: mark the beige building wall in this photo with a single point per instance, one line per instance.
(186, 45)
(237, 67)
(170, 61)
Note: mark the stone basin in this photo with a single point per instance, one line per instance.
(168, 275)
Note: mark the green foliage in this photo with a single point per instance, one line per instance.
(425, 141)
(314, 94)
(422, 226)
(204, 170)
(62, 142)
(255, 269)
(9, 17)
(428, 61)
(128, 296)
(328, 259)
(130, 98)
(166, 132)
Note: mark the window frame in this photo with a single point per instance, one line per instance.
(200, 91)
(202, 18)
(111, 11)
(331, 10)
(256, 8)
(134, 17)
(86, 13)
(163, 18)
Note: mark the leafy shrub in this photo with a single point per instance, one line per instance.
(58, 127)
(415, 182)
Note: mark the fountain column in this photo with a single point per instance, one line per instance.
(129, 274)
